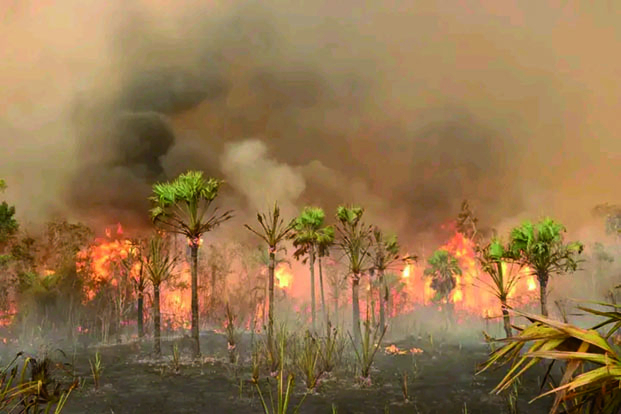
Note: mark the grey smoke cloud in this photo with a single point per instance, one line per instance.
(406, 109)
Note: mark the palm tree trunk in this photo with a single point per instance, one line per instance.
(382, 300)
(140, 314)
(324, 311)
(543, 294)
(355, 285)
(505, 317)
(157, 347)
(336, 305)
(213, 287)
(265, 296)
(194, 268)
(270, 313)
(311, 256)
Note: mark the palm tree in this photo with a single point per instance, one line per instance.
(273, 231)
(385, 253)
(541, 247)
(492, 259)
(355, 243)
(263, 259)
(159, 266)
(137, 278)
(182, 206)
(305, 239)
(325, 239)
(442, 268)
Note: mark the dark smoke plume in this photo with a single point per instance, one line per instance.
(406, 109)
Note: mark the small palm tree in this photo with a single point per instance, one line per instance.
(385, 254)
(159, 266)
(442, 268)
(273, 231)
(325, 239)
(504, 276)
(262, 257)
(355, 243)
(541, 247)
(306, 237)
(182, 206)
(137, 277)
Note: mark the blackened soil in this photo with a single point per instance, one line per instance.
(440, 380)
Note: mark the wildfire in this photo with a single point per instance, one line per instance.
(470, 293)
(102, 262)
(532, 285)
(283, 277)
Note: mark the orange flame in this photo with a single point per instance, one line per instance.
(101, 261)
(470, 293)
(283, 277)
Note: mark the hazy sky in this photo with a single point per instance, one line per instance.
(404, 107)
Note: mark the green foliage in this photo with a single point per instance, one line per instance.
(308, 359)
(385, 249)
(491, 258)
(442, 268)
(158, 263)
(285, 383)
(8, 224)
(31, 389)
(96, 368)
(541, 247)
(325, 239)
(591, 381)
(371, 343)
(306, 231)
(180, 205)
(273, 227)
(354, 238)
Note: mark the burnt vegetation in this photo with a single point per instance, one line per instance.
(137, 299)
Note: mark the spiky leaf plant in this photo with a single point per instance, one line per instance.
(285, 383)
(504, 276)
(442, 268)
(274, 230)
(354, 242)
(541, 247)
(183, 206)
(32, 389)
(591, 382)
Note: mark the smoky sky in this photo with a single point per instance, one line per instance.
(406, 108)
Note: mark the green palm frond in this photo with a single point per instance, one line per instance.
(592, 376)
(181, 205)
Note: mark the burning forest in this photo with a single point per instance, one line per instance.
(269, 207)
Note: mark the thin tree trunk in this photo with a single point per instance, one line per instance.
(311, 256)
(382, 293)
(506, 318)
(140, 314)
(266, 295)
(270, 313)
(543, 294)
(355, 284)
(213, 287)
(194, 268)
(323, 300)
(336, 305)
(157, 347)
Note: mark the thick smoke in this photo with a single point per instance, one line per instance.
(407, 109)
